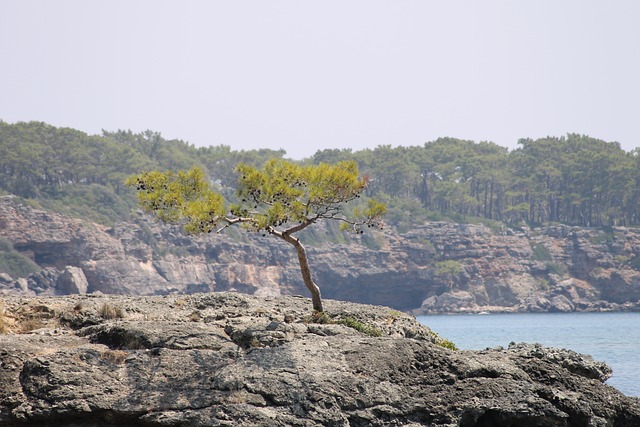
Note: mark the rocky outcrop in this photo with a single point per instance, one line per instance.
(228, 359)
(435, 267)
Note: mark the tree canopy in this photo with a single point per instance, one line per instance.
(577, 180)
(280, 200)
(573, 179)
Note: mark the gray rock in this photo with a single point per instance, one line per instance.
(42, 282)
(570, 268)
(23, 285)
(235, 360)
(72, 281)
(560, 304)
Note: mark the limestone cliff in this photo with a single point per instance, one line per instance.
(436, 267)
(228, 359)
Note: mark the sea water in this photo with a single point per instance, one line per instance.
(613, 338)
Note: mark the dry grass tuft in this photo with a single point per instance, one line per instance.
(114, 357)
(4, 324)
(109, 312)
(31, 324)
(26, 317)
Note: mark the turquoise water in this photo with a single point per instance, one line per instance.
(613, 338)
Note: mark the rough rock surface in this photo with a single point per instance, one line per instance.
(551, 269)
(228, 359)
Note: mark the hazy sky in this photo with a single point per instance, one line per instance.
(310, 75)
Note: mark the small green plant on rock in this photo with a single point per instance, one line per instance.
(540, 252)
(359, 326)
(395, 313)
(543, 283)
(318, 317)
(349, 321)
(444, 343)
(557, 268)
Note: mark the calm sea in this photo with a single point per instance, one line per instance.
(613, 338)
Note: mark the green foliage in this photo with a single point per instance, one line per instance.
(349, 321)
(635, 263)
(444, 343)
(5, 245)
(556, 268)
(394, 314)
(220, 163)
(94, 202)
(319, 317)
(14, 263)
(448, 268)
(68, 171)
(543, 283)
(405, 213)
(448, 271)
(574, 179)
(273, 199)
(540, 253)
(173, 197)
(375, 242)
(62, 168)
(281, 199)
(605, 237)
(283, 193)
(359, 326)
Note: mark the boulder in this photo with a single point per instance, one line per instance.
(71, 281)
(560, 304)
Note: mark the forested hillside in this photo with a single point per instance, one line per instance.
(68, 171)
(575, 179)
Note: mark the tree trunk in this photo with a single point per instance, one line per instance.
(316, 299)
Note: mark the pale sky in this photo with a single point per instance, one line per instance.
(310, 75)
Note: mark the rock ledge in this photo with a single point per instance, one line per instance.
(228, 359)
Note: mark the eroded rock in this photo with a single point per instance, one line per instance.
(235, 360)
(554, 268)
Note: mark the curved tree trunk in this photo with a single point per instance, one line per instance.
(316, 299)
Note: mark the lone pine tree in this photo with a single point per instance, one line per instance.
(279, 200)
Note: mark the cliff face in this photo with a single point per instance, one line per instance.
(228, 359)
(437, 267)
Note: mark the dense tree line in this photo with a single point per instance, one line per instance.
(69, 171)
(573, 179)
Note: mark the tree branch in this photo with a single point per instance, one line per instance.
(232, 221)
(300, 226)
